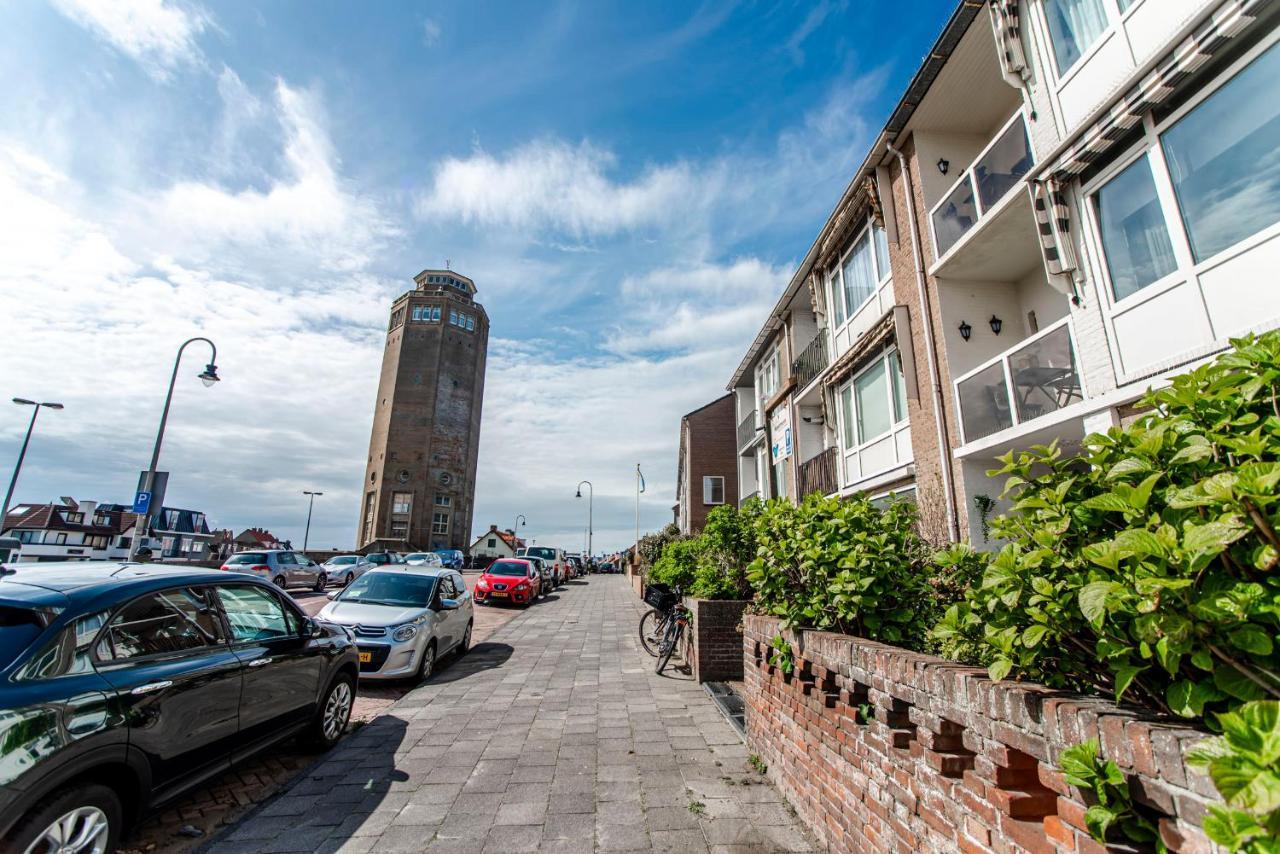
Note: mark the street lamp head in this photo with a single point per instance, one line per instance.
(22, 401)
(52, 405)
(210, 375)
(579, 493)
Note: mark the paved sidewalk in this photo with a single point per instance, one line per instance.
(554, 735)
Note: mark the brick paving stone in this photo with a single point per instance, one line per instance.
(573, 746)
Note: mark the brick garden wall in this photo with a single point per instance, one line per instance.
(950, 761)
(716, 652)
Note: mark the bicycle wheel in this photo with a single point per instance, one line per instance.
(653, 626)
(669, 645)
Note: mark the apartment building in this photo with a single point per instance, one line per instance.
(90, 530)
(706, 470)
(1071, 200)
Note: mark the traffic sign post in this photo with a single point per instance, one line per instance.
(142, 503)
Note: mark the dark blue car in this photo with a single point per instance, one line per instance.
(452, 558)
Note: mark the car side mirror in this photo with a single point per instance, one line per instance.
(310, 628)
(332, 594)
(448, 604)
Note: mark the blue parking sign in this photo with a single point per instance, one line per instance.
(142, 502)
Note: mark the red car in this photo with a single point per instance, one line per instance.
(509, 580)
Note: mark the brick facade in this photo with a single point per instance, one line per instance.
(708, 447)
(948, 760)
(716, 640)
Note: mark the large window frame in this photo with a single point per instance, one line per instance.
(851, 443)
(842, 313)
(1187, 270)
(768, 376)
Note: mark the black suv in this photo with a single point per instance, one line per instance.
(124, 685)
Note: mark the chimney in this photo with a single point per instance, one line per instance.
(87, 508)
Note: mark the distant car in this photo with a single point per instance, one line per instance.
(608, 567)
(384, 558)
(576, 567)
(125, 685)
(423, 559)
(452, 558)
(510, 580)
(403, 618)
(282, 568)
(555, 557)
(544, 571)
(344, 569)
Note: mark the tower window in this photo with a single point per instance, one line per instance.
(471, 323)
(443, 501)
(401, 502)
(439, 523)
(400, 529)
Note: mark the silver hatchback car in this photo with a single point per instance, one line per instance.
(403, 618)
(282, 568)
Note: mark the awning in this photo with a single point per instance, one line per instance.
(1208, 40)
(1008, 31)
(849, 219)
(1049, 192)
(871, 342)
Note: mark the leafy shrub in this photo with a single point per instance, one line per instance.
(844, 565)
(1145, 567)
(712, 565)
(651, 545)
(1244, 765)
(1112, 812)
(678, 564)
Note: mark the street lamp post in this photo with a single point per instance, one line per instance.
(591, 497)
(22, 454)
(639, 489)
(209, 376)
(515, 537)
(306, 535)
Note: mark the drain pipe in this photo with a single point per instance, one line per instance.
(944, 448)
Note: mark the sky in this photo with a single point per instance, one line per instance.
(630, 185)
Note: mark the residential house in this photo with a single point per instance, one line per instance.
(258, 538)
(707, 470)
(1072, 200)
(496, 544)
(89, 530)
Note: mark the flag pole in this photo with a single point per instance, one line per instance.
(639, 489)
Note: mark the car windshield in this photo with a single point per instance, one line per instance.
(379, 559)
(419, 556)
(341, 561)
(18, 628)
(549, 554)
(504, 567)
(391, 588)
(246, 557)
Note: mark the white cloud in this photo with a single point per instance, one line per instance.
(430, 32)
(158, 35)
(553, 185)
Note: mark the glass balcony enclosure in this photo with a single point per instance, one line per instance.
(996, 172)
(1031, 379)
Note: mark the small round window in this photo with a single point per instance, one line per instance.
(403, 476)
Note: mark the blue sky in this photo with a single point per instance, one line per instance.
(630, 185)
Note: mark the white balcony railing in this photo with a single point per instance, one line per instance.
(996, 172)
(1026, 382)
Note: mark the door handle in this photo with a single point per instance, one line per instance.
(258, 662)
(151, 686)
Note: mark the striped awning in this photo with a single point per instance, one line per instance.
(1008, 31)
(1208, 40)
(871, 342)
(1053, 225)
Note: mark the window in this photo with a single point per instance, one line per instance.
(443, 500)
(871, 408)
(74, 518)
(69, 653)
(368, 516)
(1074, 26)
(768, 379)
(401, 502)
(28, 536)
(492, 543)
(471, 323)
(855, 279)
(59, 539)
(713, 490)
(435, 314)
(1222, 159)
(453, 317)
(417, 312)
(165, 622)
(871, 402)
(400, 529)
(96, 541)
(254, 614)
(1135, 239)
(439, 523)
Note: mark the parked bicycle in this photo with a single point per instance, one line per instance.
(662, 627)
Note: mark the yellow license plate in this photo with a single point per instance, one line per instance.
(366, 657)
(499, 593)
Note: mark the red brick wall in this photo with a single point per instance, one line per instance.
(950, 760)
(716, 652)
(713, 450)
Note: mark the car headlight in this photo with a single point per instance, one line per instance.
(482, 584)
(403, 633)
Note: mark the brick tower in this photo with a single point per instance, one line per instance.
(419, 485)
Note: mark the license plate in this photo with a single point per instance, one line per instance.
(366, 657)
(501, 594)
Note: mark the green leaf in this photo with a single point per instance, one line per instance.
(1098, 819)
(1233, 683)
(999, 668)
(1125, 675)
(1033, 635)
(1213, 537)
(1252, 639)
(1231, 828)
(1129, 466)
(1093, 600)
(1108, 501)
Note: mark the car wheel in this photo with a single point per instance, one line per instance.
(331, 717)
(86, 819)
(465, 643)
(350, 578)
(278, 581)
(322, 581)
(428, 662)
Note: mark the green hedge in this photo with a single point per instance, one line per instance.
(713, 564)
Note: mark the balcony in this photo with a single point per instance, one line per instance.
(1036, 377)
(747, 431)
(819, 474)
(812, 361)
(995, 173)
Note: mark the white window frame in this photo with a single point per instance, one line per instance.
(444, 500)
(408, 506)
(440, 528)
(1187, 271)
(835, 276)
(851, 455)
(984, 213)
(708, 488)
(770, 368)
(1115, 21)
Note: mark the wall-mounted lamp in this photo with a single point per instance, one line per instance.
(811, 419)
(965, 330)
(943, 165)
(996, 324)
